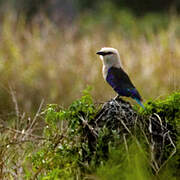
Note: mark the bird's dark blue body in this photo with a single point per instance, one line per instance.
(121, 83)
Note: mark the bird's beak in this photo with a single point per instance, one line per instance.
(100, 53)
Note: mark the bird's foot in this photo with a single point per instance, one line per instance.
(117, 97)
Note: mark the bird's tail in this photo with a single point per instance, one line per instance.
(140, 103)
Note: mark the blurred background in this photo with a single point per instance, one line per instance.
(48, 49)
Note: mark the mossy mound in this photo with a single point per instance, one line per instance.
(80, 139)
(118, 119)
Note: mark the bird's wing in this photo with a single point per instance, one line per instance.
(121, 83)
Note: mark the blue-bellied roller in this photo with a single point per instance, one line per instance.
(114, 74)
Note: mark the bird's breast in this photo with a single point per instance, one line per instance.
(105, 72)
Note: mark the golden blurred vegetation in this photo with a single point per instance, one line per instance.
(43, 61)
(55, 63)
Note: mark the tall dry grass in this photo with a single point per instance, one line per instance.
(56, 63)
(44, 61)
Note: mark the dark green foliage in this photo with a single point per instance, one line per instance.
(139, 7)
(66, 150)
(76, 143)
(63, 12)
(168, 109)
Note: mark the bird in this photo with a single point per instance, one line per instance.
(115, 76)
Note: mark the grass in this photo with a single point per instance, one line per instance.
(43, 63)
(64, 149)
(56, 63)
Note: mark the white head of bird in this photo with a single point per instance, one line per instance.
(110, 58)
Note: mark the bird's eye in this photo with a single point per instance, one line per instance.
(104, 53)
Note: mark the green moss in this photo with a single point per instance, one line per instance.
(168, 109)
(67, 152)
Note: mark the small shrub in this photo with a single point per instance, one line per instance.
(77, 146)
